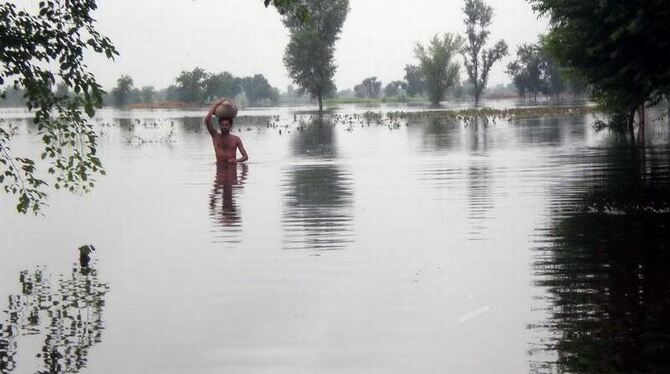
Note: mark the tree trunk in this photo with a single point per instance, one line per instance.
(319, 97)
(477, 94)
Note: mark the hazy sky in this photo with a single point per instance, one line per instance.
(159, 38)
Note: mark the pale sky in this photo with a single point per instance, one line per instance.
(159, 38)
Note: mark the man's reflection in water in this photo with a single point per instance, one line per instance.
(69, 316)
(222, 207)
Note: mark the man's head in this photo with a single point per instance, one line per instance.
(225, 123)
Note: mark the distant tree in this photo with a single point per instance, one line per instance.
(528, 70)
(369, 88)
(393, 89)
(309, 55)
(257, 89)
(62, 90)
(148, 94)
(620, 48)
(36, 48)
(171, 93)
(414, 81)
(13, 97)
(555, 82)
(535, 72)
(191, 85)
(121, 93)
(478, 60)
(221, 85)
(347, 93)
(438, 66)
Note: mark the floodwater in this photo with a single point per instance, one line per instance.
(414, 245)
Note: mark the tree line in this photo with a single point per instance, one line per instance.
(197, 87)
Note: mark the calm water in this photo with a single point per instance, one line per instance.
(417, 245)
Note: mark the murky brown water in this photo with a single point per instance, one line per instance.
(419, 246)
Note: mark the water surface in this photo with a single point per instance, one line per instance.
(419, 245)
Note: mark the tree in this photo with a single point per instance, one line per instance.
(293, 7)
(528, 70)
(437, 65)
(478, 60)
(221, 85)
(310, 52)
(147, 94)
(121, 93)
(414, 80)
(190, 85)
(393, 89)
(620, 48)
(38, 49)
(369, 88)
(258, 89)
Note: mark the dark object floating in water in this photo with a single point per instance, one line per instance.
(84, 252)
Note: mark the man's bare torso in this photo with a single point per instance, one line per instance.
(225, 147)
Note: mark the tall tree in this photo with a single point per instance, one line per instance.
(477, 59)
(619, 47)
(147, 94)
(121, 93)
(438, 66)
(528, 70)
(393, 89)
(258, 89)
(191, 85)
(310, 52)
(37, 49)
(221, 85)
(414, 80)
(369, 88)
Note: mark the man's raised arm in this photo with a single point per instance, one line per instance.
(208, 119)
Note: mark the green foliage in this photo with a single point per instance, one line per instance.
(478, 61)
(529, 70)
(148, 94)
(295, 8)
(222, 85)
(438, 66)
(619, 47)
(414, 80)
(393, 89)
(191, 85)
(37, 50)
(258, 90)
(122, 91)
(310, 52)
(370, 88)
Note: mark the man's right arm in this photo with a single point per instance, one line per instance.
(208, 119)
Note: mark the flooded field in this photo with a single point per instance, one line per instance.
(356, 243)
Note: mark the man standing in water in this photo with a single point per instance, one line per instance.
(225, 144)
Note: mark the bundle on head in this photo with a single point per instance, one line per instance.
(226, 109)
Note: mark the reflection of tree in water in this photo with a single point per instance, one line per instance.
(316, 139)
(605, 270)
(222, 207)
(318, 196)
(438, 134)
(480, 199)
(70, 316)
(318, 200)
